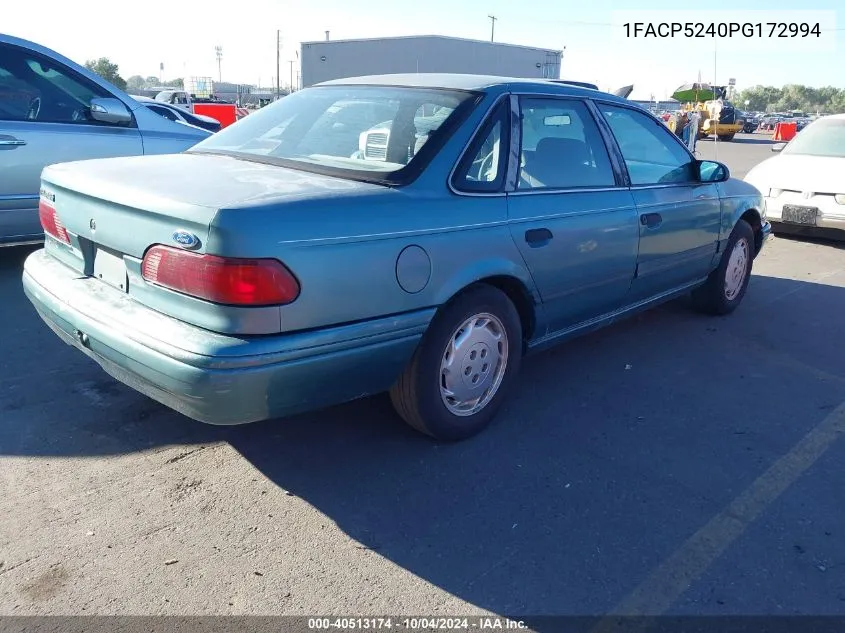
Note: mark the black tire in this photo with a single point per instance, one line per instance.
(416, 396)
(726, 137)
(713, 297)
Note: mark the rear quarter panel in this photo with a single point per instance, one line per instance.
(353, 254)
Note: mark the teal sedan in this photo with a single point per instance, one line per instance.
(414, 234)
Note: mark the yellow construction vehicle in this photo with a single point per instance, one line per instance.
(717, 116)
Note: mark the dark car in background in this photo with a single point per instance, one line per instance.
(750, 122)
(768, 123)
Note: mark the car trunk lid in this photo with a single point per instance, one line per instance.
(115, 210)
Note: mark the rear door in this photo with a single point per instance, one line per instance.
(679, 216)
(571, 216)
(43, 120)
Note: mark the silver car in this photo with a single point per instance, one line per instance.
(53, 111)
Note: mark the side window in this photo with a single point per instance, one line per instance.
(562, 147)
(482, 168)
(651, 152)
(16, 94)
(37, 89)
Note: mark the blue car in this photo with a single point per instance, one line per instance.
(303, 257)
(53, 111)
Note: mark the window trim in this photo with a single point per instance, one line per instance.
(78, 77)
(618, 151)
(619, 177)
(499, 112)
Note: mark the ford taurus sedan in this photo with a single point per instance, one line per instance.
(302, 258)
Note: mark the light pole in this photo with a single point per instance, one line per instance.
(493, 19)
(278, 74)
(218, 50)
(290, 61)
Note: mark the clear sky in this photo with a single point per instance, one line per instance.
(182, 34)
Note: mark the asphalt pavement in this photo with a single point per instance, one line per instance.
(673, 463)
(740, 154)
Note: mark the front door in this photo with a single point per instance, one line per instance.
(44, 120)
(576, 227)
(679, 216)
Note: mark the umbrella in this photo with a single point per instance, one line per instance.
(694, 92)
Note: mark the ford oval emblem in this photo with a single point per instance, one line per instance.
(186, 239)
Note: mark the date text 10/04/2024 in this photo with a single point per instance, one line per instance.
(721, 29)
(480, 623)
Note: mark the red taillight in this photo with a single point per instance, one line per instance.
(252, 282)
(50, 221)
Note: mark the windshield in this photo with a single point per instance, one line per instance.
(370, 132)
(820, 138)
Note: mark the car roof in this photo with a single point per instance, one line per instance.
(480, 83)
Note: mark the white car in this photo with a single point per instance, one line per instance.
(804, 185)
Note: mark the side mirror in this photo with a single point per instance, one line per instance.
(777, 147)
(110, 110)
(711, 171)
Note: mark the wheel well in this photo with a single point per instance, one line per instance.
(752, 216)
(521, 298)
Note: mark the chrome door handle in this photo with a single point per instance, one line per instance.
(11, 142)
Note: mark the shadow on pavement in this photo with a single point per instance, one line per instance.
(614, 448)
(833, 238)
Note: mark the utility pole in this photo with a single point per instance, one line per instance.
(493, 19)
(278, 74)
(218, 50)
(290, 61)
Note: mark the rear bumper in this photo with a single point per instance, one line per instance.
(215, 378)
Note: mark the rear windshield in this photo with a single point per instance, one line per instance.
(380, 133)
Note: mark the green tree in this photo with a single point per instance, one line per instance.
(136, 82)
(759, 97)
(107, 70)
(793, 97)
(175, 83)
(152, 81)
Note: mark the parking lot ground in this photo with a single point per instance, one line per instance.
(672, 463)
(740, 154)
